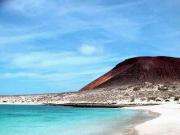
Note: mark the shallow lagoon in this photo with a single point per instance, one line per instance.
(58, 120)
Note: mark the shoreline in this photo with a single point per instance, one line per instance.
(84, 105)
(142, 117)
(21, 104)
(145, 115)
(160, 119)
(165, 124)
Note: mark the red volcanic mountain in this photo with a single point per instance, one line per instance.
(138, 70)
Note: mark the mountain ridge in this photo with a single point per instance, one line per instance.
(158, 69)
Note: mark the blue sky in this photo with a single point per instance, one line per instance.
(49, 46)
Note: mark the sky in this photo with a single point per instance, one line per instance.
(53, 46)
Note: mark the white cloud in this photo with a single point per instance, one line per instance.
(87, 49)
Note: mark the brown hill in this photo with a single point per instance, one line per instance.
(138, 70)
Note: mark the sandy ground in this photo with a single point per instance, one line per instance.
(168, 123)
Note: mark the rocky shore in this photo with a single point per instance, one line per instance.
(143, 94)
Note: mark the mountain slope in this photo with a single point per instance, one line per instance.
(138, 70)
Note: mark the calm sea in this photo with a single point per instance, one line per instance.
(56, 120)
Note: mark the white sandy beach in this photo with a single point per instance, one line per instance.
(168, 123)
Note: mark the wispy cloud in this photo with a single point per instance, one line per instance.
(57, 77)
(53, 59)
(54, 65)
(69, 17)
(55, 68)
(29, 7)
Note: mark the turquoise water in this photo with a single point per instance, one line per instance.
(55, 120)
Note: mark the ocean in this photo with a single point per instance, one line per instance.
(58, 120)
